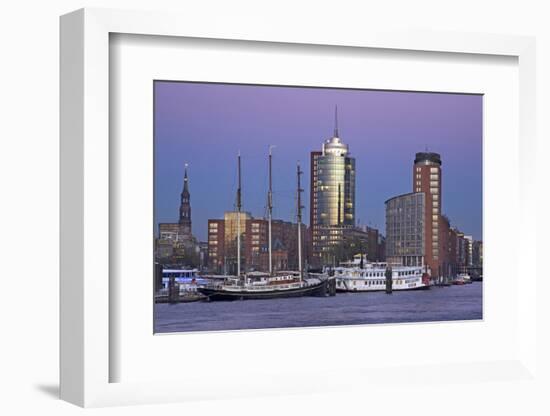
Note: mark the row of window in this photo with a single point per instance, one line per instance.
(432, 169)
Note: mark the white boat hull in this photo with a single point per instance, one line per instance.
(358, 284)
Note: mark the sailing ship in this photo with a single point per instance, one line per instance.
(270, 285)
(357, 276)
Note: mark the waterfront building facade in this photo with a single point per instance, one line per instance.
(469, 250)
(222, 244)
(453, 250)
(446, 251)
(445, 266)
(465, 253)
(332, 197)
(406, 230)
(427, 179)
(477, 254)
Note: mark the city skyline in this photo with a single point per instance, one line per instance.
(383, 129)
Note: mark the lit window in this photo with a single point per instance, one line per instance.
(433, 170)
(433, 191)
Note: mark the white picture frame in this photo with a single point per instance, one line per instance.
(86, 355)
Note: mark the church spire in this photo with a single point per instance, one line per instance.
(185, 205)
(185, 180)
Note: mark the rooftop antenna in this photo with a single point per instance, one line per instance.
(336, 121)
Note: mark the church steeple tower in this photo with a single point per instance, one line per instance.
(185, 206)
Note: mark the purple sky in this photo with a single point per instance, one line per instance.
(206, 125)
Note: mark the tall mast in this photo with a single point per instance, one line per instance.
(299, 218)
(270, 212)
(239, 215)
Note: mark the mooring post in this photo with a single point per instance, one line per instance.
(173, 290)
(389, 280)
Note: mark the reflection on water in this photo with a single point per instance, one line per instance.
(437, 304)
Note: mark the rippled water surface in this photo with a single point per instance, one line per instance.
(437, 304)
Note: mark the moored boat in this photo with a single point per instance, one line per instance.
(264, 286)
(462, 279)
(371, 277)
(180, 286)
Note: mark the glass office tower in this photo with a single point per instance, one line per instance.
(405, 229)
(332, 197)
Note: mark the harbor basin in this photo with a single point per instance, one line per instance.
(449, 303)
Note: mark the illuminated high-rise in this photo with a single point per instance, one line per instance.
(427, 179)
(332, 196)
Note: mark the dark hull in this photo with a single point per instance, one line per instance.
(320, 289)
(179, 299)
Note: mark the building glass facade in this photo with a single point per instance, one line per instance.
(332, 196)
(405, 229)
(231, 228)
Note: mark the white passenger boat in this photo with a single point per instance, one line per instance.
(372, 277)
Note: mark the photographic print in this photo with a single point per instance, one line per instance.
(289, 206)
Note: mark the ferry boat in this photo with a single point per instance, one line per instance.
(270, 285)
(372, 277)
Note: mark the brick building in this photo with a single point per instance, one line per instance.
(222, 244)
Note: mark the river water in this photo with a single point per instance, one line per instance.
(437, 304)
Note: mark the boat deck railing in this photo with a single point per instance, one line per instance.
(255, 288)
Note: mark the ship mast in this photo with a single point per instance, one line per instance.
(270, 213)
(299, 220)
(239, 215)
